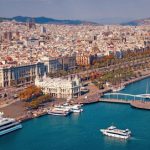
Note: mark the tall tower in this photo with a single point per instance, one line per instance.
(30, 55)
(31, 24)
(37, 72)
(43, 30)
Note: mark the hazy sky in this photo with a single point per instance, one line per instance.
(76, 9)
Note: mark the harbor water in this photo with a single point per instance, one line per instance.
(81, 131)
(137, 88)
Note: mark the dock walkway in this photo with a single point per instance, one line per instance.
(120, 101)
(133, 103)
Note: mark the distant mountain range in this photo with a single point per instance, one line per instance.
(44, 20)
(138, 22)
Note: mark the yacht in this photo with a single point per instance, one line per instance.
(76, 109)
(112, 131)
(8, 124)
(73, 108)
(77, 105)
(68, 108)
(59, 112)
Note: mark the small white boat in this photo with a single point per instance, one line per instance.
(116, 89)
(76, 109)
(63, 108)
(66, 107)
(112, 131)
(67, 104)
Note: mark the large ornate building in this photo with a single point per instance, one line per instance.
(60, 87)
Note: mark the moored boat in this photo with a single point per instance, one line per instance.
(8, 125)
(73, 108)
(58, 112)
(116, 89)
(76, 109)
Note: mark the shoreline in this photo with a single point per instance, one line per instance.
(137, 79)
(94, 99)
(135, 105)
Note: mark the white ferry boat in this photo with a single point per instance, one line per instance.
(8, 124)
(112, 131)
(58, 112)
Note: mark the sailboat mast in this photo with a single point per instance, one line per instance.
(147, 88)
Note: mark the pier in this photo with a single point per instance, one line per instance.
(133, 103)
(119, 101)
(141, 104)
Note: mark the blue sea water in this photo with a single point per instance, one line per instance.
(81, 131)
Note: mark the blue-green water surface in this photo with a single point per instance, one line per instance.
(81, 131)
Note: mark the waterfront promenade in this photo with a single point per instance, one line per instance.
(19, 111)
(145, 75)
(94, 94)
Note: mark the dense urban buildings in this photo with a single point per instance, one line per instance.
(29, 49)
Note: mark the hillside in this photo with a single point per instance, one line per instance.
(44, 20)
(145, 21)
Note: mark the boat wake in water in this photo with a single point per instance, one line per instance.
(136, 139)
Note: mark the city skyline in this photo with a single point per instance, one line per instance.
(59, 56)
(97, 10)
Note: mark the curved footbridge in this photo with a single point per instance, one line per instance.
(121, 101)
(126, 95)
(141, 104)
